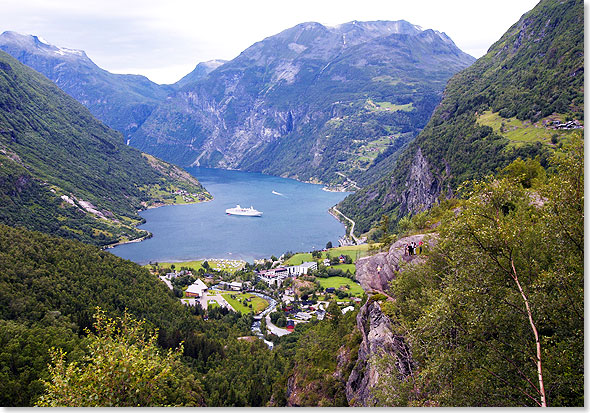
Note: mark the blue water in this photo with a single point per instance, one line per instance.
(295, 218)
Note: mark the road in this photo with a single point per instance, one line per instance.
(351, 228)
(274, 329)
(352, 183)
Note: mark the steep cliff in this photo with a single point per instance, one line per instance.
(312, 102)
(506, 105)
(380, 341)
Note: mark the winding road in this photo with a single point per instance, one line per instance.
(351, 228)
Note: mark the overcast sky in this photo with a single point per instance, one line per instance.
(165, 39)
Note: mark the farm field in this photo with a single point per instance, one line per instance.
(520, 132)
(215, 264)
(337, 282)
(258, 304)
(353, 251)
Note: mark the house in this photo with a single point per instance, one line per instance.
(290, 325)
(303, 268)
(303, 316)
(327, 262)
(347, 309)
(235, 286)
(274, 276)
(196, 289)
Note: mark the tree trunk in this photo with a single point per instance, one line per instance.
(536, 333)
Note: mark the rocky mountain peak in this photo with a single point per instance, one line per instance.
(36, 45)
(200, 71)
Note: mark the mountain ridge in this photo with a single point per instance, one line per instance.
(122, 101)
(290, 89)
(500, 108)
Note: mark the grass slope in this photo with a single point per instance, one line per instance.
(63, 151)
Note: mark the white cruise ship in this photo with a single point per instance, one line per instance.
(238, 210)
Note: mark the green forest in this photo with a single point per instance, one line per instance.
(62, 302)
(495, 316)
(535, 70)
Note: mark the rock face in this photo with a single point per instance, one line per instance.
(375, 272)
(379, 338)
(379, 341)
(307, 101)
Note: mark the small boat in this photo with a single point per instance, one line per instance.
(248, 212)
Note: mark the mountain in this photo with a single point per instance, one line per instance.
(123, 102)
(522, 99)
(64, 172)
(200, 71)
(312, 102)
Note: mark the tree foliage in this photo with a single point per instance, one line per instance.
(495, 316)
(123, 367)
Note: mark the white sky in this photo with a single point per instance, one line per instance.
(165, 39)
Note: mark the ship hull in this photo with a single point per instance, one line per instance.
(245, 212)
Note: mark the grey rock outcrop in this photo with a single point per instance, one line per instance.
(380, 341)
(375, 272)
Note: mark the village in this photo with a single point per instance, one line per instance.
(279, 293)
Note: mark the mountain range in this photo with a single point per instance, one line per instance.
(311, 102)
(369, 87)
(64, 172)
(513, 102)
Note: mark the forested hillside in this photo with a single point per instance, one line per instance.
(50, 289)
(65, 172)
(495, 314)
(507, 104)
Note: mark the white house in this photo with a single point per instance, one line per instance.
(235, 286)
(303, 316)
(196, 289)
(274, 276)
(347, 309)
(302, 269)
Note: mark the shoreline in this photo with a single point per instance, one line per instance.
(186, 203)
(149, 234)
(116, 244)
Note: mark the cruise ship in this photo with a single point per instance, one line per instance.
(238, 210)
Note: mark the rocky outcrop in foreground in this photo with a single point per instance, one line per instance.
(379, 341)
(375, 272)
(377, 329)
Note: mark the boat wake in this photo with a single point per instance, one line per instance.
(278, 193)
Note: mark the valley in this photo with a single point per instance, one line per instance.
(419, 231)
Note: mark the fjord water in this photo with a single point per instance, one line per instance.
(295, 218)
